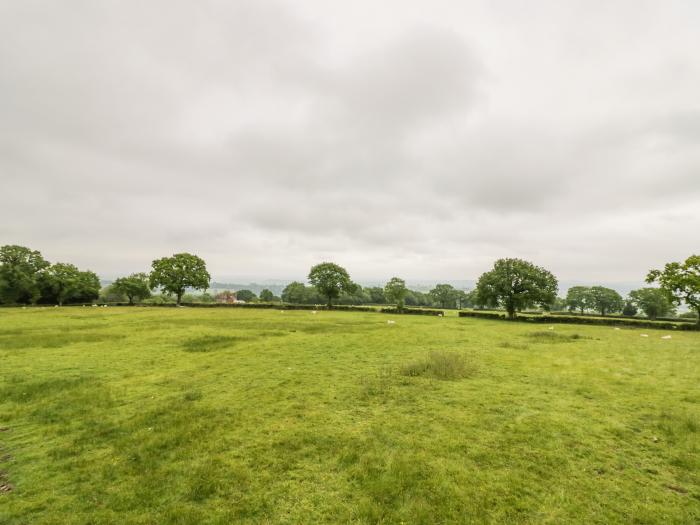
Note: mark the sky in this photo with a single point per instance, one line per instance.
(422, 139)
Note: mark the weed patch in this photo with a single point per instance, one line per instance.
(440, 365)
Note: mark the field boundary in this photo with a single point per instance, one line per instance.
(569, 319)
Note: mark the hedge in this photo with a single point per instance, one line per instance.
(575, 319)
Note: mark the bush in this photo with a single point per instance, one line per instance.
(579, 319)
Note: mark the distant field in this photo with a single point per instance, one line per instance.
(188, 415)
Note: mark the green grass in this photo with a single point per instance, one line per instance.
(186, 415)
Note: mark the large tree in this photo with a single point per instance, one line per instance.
(135, 286)
(653, 302)
(20, 271)
(267, 296)
(445, 295)
(515, 284)
(605, 300)
(246, 295)
(295, 293)
(62, 282)
(177, 273)
(331, 280)
(395, 292)
(680, 282)
(578, 298)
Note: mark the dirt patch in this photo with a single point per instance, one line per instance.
(4, 429)
(677, 489)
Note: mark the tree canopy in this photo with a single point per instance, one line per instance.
(653, 302)
(605, 300)
(578, 298)
(246, 295)
(177, 273)
(267, 296)
(395, 291)
(20, 271)
(516, 284)
(331, 280)
(680, 282)
(62, 282)
(135, 286)
(445, 295)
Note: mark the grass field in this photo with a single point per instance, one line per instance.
(155, 415)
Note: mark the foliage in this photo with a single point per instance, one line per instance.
(20, 271)
(61, 283)
(680, 282)
(579, 298)
(653, 302)
(376, 295)
(295, 293)
(629, 310)
(516, 284)
(605, 300)
(246, 295)
(135, 286)
(267, 296)
(395, 292)
(445, 295)
(331, 280)
(177, 273)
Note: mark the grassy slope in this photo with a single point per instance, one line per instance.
(122, 415)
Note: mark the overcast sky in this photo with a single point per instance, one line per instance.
(415, 138)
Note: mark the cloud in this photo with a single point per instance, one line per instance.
(424, 140)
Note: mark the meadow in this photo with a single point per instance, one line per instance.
(186, 416)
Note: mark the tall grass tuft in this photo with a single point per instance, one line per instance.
(440, 364)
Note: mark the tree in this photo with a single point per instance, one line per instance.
(444, 295)
(395, 291)
(295, 293)
(20, 270)
(629, 310)
(267, 296)
(331, 280)
(463, 299)
(680, 282)
(246, 295)
(605, 300)
(578, 298)
(515, 284)
(177, 273)
(652, 301)
(135, 286)
(62, 282)
(376, 295)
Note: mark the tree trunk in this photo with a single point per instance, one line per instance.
(179, 298)
(330, 302)
(131, 300)
(698, 325)
(511, 313)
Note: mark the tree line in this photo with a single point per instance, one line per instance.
(512, 284)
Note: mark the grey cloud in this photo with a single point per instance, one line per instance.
(427, 139)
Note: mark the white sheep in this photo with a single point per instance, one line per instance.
(643, 335)
(391, 322)
(665, 337)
